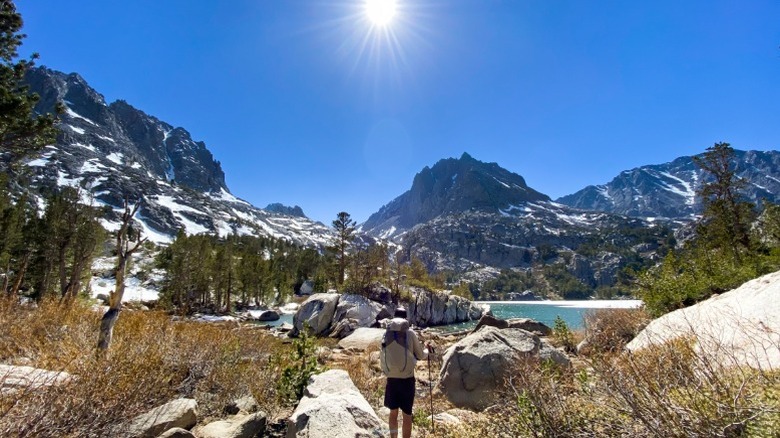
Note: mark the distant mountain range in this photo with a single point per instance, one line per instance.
(466, 215)
(113, 151)
(669, 190)
(461, 214)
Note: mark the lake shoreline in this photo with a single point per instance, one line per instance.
(577, 304)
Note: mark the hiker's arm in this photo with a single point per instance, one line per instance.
(419, 353)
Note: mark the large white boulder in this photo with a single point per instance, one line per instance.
(177, 413)
(317, 312)
(736, 328)
(357, 307)
(363, 339)
(333, 407)
(477, 366)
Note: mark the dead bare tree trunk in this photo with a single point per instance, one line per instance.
(124, 250)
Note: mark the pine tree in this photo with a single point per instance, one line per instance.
(345, 234)
(727, 216)
(22, 132)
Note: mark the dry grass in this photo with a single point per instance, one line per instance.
(609, 330)
(152, 360)
(670, 390)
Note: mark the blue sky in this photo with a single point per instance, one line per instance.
(303, 102)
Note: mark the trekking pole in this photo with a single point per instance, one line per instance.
(430, 383)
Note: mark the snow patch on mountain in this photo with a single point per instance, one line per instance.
(75, 129)
(115, 157)
(73, 114)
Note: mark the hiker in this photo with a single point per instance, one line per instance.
(401, 349)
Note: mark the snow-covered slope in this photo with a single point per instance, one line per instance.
(669, 190)
(114, 151)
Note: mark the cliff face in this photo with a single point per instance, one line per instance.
(115, 151)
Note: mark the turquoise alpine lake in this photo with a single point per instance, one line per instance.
(572, 312)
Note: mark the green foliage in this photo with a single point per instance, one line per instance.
(51, 254)
(421, 418)
(205, 270)
(563, 335)
(463, 290)
(565, 283)
(727, 217)
(300, 365)
(417, 275)
(730, 246)
(694, 275)
(511, 281)
(22, 132)
(368, 264)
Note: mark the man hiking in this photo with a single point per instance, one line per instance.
(401, 349)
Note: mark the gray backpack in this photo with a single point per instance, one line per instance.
(394, 355)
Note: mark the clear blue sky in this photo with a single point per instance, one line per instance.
(303, 103)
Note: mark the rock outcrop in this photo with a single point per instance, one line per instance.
(339, 316)
(440, 308)
(267, 315)
(241, 426)
(526, 324)
(246, 404)
(177, 413)
(316, 313)
(333, 407)
(177, 432)
(13, 378)
(361, 309)
(737, 328)
(476, 367)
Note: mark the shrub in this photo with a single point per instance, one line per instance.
(298, 366)
(562, 335)
(152, 361)
(676, 389)
(609, 330)
(673, 390)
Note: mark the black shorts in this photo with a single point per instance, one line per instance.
(399, 393)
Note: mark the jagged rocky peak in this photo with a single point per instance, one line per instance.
(112, 152)
(451, 186)
(294, 211)
(120, 129)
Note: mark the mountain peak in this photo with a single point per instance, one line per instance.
(116, 151)
(453, 186)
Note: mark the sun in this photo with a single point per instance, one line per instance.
(380, 12)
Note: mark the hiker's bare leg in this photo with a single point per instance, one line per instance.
(392, 423)
(407, 427)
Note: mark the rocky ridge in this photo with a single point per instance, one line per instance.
(668, 190)
(114, 151)
(464, 215)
